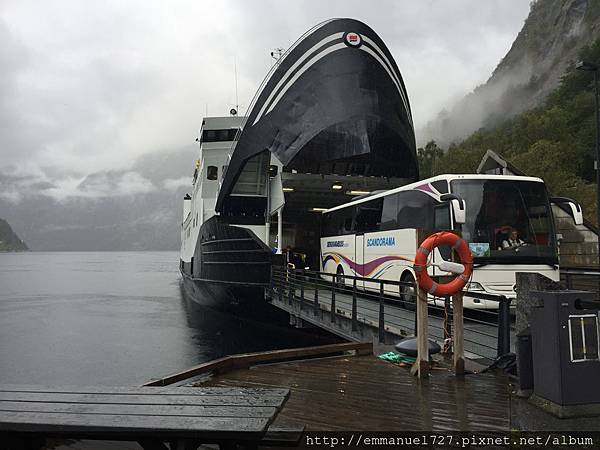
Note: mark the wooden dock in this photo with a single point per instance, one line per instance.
(365, 393)
(344, 387)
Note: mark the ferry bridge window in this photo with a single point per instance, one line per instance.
(212, 172)
(219, 135)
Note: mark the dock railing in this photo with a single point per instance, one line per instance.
(389, 306)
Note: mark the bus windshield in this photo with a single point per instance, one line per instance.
(508, 221)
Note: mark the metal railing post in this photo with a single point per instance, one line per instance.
(381, 314)
(354, 327)
(332, 299)
(503, 327)
(316, 299)
(316, 302)
(281, 287)
(301, 287)
(290, 289)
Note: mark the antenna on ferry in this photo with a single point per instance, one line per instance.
(237, 104)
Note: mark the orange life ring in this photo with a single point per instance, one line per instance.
(420, 267)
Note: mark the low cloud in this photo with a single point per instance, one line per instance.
(175, 183)
(15, 188)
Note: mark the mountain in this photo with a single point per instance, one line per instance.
(552, 36)
(9, 241)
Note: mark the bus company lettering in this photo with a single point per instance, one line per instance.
(381, 242)
(335, 243)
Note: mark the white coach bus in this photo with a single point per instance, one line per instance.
(506, 220)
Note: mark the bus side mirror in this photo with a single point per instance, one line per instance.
(458, 207)
(575, 208)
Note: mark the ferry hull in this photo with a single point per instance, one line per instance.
(231, 266)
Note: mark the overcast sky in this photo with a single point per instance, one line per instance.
(89, 86)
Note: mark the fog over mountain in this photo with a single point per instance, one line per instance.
(549, 41)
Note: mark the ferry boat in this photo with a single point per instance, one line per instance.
(332, 120)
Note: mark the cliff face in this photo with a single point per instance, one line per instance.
(553, 33)
(9, 241)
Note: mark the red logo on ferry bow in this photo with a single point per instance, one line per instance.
(353, 39)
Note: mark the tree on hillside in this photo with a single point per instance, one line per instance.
(429, 158)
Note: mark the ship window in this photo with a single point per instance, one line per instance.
(212, 172)
(219, 135)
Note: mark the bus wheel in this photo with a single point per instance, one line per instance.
(408, 292)
(339, 278)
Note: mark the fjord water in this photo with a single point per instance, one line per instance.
(111, 318)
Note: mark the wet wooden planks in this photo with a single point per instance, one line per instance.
(132, 413)
(365, 393)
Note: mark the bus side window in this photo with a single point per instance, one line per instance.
(389, 213)
(347, 227)
(368, 216)
(415, 210)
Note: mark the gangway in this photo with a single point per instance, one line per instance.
(341, 305)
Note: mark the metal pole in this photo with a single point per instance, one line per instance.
(291, 288)
(316, 297)
(302, 288)
(354, 327)
(316, 300)
(597, 110)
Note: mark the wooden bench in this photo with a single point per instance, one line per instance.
(182, 416)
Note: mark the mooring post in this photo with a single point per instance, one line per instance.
(458, 325)
(381, 314)
(332, 312)
(354, 325)
(421, 366)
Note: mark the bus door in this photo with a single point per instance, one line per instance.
(359, 258)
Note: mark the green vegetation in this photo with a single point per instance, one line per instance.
(555, 141)
(9, 241)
